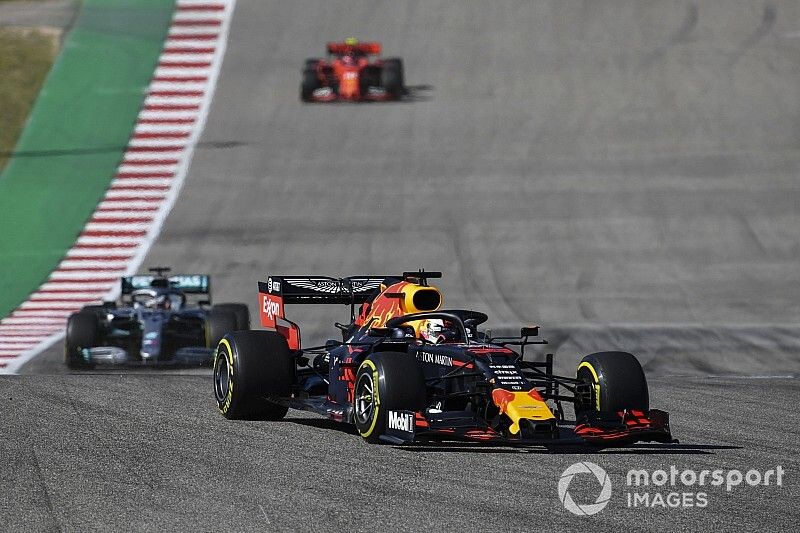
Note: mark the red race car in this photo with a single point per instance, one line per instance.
(348, 74)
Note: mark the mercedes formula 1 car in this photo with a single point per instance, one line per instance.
(348, 74)
(407, 371)
(153, 324)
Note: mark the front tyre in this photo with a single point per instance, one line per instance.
(252, 371)
(617, 382)
(82, 332)
(386, 381)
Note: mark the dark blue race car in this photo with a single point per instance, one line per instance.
(160, 319)
(407, 371)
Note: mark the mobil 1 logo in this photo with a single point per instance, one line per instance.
(400, 424)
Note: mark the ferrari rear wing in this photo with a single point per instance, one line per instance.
(370, 48)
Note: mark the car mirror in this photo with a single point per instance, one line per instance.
(378, 332)
(529, 331)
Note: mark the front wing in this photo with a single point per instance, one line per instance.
(595, 429)
(114, 356)
(327, 94)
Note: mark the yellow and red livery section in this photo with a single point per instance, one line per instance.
(399, 299)
(519, 405)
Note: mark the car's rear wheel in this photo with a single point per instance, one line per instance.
(253, 370)
(240, 311)
(82, 332)
(392, 77)
(370, 77)
(617, 382)
(310, 83)
(386, 381)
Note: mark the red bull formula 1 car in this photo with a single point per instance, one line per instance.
(407, 371)
(348, 74)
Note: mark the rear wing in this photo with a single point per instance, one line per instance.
(369, 48)
(278, 291)
(188, 283)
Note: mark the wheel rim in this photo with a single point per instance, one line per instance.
(365, 399)
(222, 378)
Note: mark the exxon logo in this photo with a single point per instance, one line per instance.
(271, 308)
(401, 421)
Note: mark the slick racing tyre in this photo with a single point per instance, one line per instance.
(370, 77)
(82, 332)
(392, 78)
(240, 311)
(617, 381)
(310, 83)
(252, 370)
(386, 381)
(219, 323)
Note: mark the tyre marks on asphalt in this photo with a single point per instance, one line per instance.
(128, 218)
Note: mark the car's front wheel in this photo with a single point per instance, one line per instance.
(616, 382)
(386, 381)
(82, 333)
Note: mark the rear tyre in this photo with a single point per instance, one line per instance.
(370, 77)
(82, 332)
(386, 381)
(310, 83)
(392, 77)
(219, 323)
(240, 311)
(618, 383)
(252, 371)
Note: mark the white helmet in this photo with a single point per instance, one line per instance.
(431, 330)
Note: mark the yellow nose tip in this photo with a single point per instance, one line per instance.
(521, 405)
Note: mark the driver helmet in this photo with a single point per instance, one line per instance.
(435, 330)
(162, 301)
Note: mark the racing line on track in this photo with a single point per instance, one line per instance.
(147, 182)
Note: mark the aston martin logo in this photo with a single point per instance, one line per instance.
(335, 287)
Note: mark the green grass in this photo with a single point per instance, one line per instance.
(25, 58)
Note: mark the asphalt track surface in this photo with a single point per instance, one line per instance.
(150, 453)
(574, 164)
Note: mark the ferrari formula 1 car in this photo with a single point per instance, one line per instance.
(406, 371)
(349, 75)
(153, 324)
